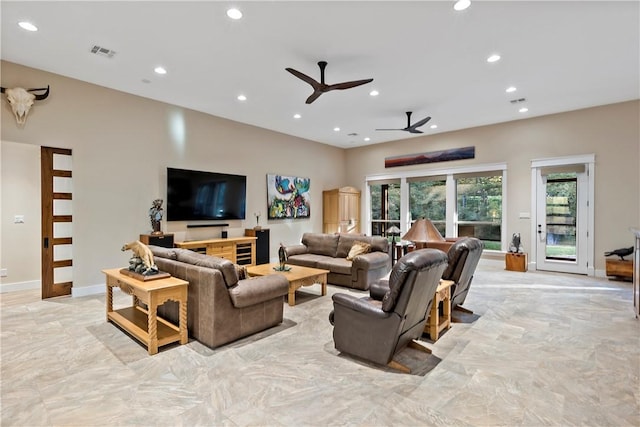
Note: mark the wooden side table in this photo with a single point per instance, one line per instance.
(436, 322)
(146, 325)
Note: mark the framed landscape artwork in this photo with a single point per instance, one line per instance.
(431, 157)
(288, 197)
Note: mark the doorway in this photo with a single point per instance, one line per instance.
(563, 220)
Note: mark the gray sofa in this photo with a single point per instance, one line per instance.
(329, 252)
(221, 307)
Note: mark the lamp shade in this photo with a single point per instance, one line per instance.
(393, 230)
(423, 230)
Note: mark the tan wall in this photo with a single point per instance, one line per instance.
(610, 132)
(122, 145)
(20, 189)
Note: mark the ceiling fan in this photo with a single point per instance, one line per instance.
(322, 87)
(412, 128)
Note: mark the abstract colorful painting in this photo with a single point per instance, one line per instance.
(288, 197)
(432, 157)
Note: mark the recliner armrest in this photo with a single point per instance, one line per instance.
(255, 290)
(379, 289)
(357, 304)
(296, 250)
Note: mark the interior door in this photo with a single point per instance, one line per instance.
(56, 197)
(562, 219)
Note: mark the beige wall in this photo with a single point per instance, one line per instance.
(610, 132)
(20, 194)
(122, 145)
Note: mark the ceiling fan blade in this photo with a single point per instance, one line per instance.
(420, 123)
(348, 85)
(390, 129)
(314, 96)
(304, 77)
(414, 131)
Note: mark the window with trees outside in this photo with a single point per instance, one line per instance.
(458, 204)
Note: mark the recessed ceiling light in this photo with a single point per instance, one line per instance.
(523, 110)
(493, 58)
(160, 70)
(511, 89)
(374, 93)
(336, 129)
(27, 26)
(242, 98)
(367, 139)
(296, 116)
(433, 126)
(462, 5)
(234, 13)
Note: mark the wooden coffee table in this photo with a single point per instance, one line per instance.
(298, 277)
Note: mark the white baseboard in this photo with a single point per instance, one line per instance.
(88, 290)
(19, 286)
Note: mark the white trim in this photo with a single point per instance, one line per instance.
(489, 167)
(84, 291)
(19, 286)
(561, 161)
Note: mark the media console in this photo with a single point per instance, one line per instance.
(239, 250)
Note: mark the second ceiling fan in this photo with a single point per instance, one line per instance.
(321, 87)
(412, 128)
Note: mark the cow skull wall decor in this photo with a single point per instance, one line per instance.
(21, 100)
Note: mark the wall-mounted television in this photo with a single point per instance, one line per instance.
(197, 195)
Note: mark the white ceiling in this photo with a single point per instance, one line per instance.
(423, 56)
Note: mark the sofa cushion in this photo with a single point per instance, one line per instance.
(379, 244)
(321, 244)
(161, 252)
(225, 266)
(336, 265)
(306, 260)
(358, 248)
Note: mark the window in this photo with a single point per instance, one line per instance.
(428, 199)
(385, 207)
(479, 207)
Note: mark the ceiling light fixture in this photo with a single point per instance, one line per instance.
(160, 70)
(242, 98)
(374, 93)
(234, 13)
(367, 139)
(296, 116)
(493, 58)
(523, 110)
(27, 26)
(511, 89)
(336, 129)
(434, 126)
(462, 5)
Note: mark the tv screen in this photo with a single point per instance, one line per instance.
(195, 195)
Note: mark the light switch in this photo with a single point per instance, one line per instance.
(524, 215)
(18, 219)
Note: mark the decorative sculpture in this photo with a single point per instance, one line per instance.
(516, 246)
(21, 100)
(622, 252)
(155, 215)
(142, 261)
(282, 257)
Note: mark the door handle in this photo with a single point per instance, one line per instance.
(46, 243)
(539, 228)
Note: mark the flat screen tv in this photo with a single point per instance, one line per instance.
(195, 195)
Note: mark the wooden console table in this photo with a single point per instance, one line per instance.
(238, 250)
(145, 325)
(436, 322)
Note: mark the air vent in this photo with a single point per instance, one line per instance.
(352, 134)
(102, 51)
(517, 101)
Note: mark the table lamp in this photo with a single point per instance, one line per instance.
(423, 231)
(393, 231)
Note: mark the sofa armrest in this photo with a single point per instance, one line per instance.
(295, 250)
(353, 303)
(371, 261)
(255, 290)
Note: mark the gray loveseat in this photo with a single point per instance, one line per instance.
(329, 252)
(221, 307)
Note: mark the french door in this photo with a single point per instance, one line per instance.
(56, 199)
(562, 223)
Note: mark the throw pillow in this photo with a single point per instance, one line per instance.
(242, 271)
(358, 248)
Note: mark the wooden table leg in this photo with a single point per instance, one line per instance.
(109, 298)
(291, 298)
(323, 284)
(434, 318)
(184, 338)
(153, 325)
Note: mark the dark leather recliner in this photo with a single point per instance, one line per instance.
(464, 256)
(376, 330)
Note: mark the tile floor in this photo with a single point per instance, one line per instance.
(542, 349)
